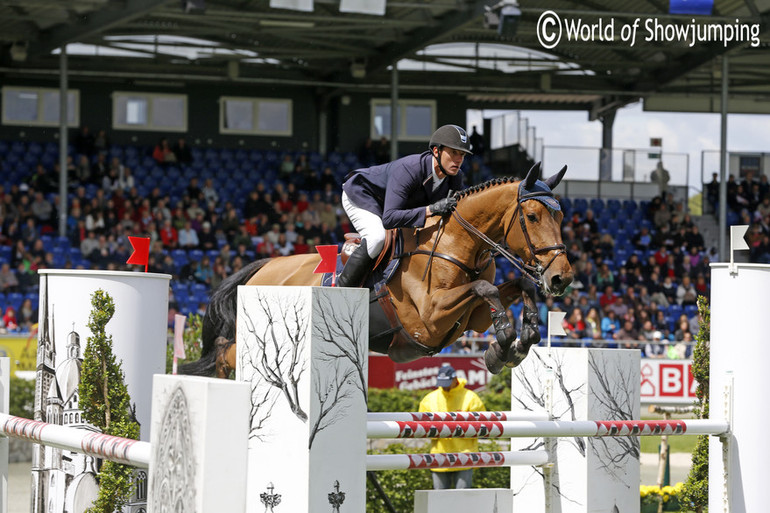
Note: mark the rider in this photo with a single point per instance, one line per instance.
(400, 194)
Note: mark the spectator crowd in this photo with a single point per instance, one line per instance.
(639, 266)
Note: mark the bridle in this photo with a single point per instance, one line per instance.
(532, 268)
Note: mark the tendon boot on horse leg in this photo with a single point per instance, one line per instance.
(530, 335)
(505, 335)
(358, 266)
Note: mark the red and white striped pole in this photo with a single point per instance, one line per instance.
(455, 416)
(455, 460)
(113, 448)
(554, 428)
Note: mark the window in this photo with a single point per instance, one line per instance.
(149, 111)
(415, 119)
(38, 106)
(255, 116)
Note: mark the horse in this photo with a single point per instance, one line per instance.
(443, 282)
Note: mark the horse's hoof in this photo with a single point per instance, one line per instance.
(516, 354)
(494, 363)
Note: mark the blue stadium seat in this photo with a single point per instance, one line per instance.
(195, 255)
(14, 299)
(675, 311)
(691, 310)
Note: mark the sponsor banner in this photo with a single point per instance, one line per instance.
(21, 349)
(667, 382)
(421, 374)
(662, 381)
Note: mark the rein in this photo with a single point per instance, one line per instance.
(534, 273)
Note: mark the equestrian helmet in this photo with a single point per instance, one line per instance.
(451, 136)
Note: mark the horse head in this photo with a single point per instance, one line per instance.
(536, 234)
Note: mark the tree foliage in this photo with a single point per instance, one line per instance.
(106, 404)
(696, 489)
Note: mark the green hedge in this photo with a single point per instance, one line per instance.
(22, 397)
(400, 485)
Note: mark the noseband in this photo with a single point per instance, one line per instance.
(532, 268)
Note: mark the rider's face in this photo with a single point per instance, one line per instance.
(451, 159)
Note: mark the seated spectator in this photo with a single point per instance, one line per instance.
(683, 327)
(9, 319)
(203, 271)
(610, 324)
(627, 336)
(619, 306)
(669, 289)
(188, 237)
(605, 277)
(182, 152)
(593, 326)
(168, 235)
(210, 194)
(574, 325)
(608, 297)
(655, 347)
(686, 293)
(8, 280)
(101, 141)
(283, 247)
(207, 237)
(163, 154)
(27, 315)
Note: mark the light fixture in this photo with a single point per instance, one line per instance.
(358, 70)
(194, 6)
(287, 24)
(19, 52)
(503, 16)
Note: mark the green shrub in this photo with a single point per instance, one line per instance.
(400, 485)
(696, 490)
(22, 397)
(393, 399)
(106, 403)
(497, 394)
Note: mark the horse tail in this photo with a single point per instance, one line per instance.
(219, 320)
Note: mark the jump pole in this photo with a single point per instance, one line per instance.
(556, 428)
(454, 416)
(458, 460)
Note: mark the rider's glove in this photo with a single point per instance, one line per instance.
(443, 206)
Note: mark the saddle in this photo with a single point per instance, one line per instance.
(353, 240)
(386, 334)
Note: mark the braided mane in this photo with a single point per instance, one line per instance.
(486, 185)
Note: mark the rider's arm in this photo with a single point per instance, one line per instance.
(403, 183)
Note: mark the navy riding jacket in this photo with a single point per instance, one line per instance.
(399, 191)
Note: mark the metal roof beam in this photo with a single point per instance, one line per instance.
(424, 36)
(90, 25)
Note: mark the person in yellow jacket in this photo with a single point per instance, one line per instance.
(451, 395)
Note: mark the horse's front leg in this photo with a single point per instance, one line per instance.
(530, 331)
(495, 313)
(508, 353)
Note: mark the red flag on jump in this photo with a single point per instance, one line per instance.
(328, 263)
(141, 253)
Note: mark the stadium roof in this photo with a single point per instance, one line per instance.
(441, 46)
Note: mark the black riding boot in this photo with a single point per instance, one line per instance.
(358, 266)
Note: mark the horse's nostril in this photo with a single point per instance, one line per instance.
(556, 281)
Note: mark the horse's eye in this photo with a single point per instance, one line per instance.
(532, 217)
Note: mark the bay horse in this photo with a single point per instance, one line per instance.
(443, 283)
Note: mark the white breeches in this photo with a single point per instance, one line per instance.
(368, 225)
